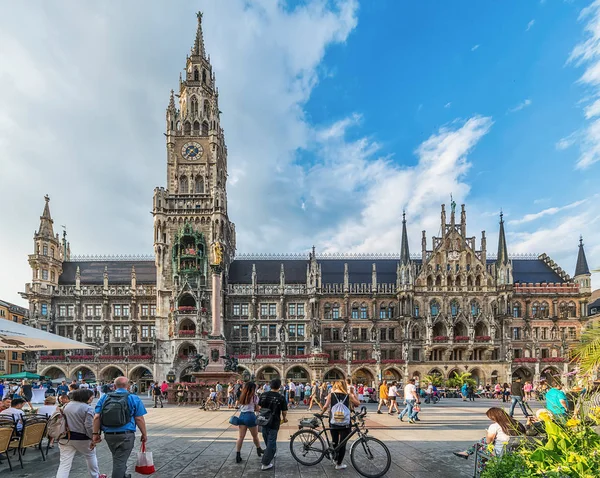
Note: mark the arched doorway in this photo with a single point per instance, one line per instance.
(186, 375)
(110, 373)
(391, 374)
(83, 374)
(548, 373)
(298, 374)
(494, 377)
(267, 374)
(143, 377)
(363, 376)
(334, 375)
(54, 373)
(478, 376)
(524, 373)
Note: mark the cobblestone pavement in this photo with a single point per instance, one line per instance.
(187, 442)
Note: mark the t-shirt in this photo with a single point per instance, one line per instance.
(46, 410)
(409, 388)
(292, 387)
(62, 389)
(501, 437)
(393, 391)
(250, 407)
(383, 390)
(136, 407)
(276, 402)
(17, 415)
(26, 391)
(430, 389)
(553, 398)
(164, 387)
(516, 389)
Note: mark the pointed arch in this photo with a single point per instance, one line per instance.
(187, 127)
(334, 374)
(194, 106)
(196, 74)
(206, 109)
(184, 187)
(205, 128)
(197, 128)
(199, 185)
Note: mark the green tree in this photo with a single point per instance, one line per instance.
(434, 379)
(461, 378)
(588, 353)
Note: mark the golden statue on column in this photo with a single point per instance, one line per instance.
(218, 253)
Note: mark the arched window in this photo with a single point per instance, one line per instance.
(429, 282)
(199, 185)
(207, 108)
(544, 312)
(562, 310)
(475, 308)
(194, 106)
(183, 185)
(469, 282)
(572, 309)
(203, 76)
(197, 128)
(196, 75)
(52, 252)
(454, 308)
(205, 128)
(517, 310)
(457, 283)
(434, 307)
(438, 281)
(535, 310)
(45, 249)
(187, 128)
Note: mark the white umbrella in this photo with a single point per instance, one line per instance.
(14, 336)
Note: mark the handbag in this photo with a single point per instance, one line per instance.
(234, 420)
(417, 408)
(145, 463)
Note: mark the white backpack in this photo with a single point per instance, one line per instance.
(57, 425)
(340, 412)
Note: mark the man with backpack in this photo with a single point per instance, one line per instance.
(117, 414)
(273, 406)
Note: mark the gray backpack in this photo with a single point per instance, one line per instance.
(115, 411)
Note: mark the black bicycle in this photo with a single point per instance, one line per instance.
(370, 457)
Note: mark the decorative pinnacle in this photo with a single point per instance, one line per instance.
(501, 215)
(172, 100)
(198, 48)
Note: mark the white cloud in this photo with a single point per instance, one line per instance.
(385, 189)
(547, 212)
(567, 141)
(474, 47)
(448, 105)
(529, 25)
(523, 104)
(82, 116)
(587, 55)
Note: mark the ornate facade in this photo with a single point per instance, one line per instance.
(451, 308)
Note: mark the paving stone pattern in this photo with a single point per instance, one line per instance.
(187, 442)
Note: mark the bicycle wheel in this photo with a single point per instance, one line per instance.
(370, 457)
(307, 447)
(211, 406)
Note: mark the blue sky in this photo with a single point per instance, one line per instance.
(337, 115)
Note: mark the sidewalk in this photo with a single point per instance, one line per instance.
(187, 442)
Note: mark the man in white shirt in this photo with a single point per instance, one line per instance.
(84, 385)
(15, 411)
(411, 398)
(292, 393)
(392, 394)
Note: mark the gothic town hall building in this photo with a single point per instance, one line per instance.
(452, 307)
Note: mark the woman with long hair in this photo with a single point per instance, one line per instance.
(498, 433)
(248, 403)
(315, 396)
(80, 417)
(340, 394)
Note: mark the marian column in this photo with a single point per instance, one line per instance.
(217, 324)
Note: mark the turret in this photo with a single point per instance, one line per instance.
(503, 264)
(582, 276)
(403, 272)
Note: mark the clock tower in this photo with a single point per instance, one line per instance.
(194, 241)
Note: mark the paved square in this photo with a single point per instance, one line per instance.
(187, 442)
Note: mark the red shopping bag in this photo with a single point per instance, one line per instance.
(145, 464)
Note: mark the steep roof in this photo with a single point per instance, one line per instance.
(582, 266)
(119, 272)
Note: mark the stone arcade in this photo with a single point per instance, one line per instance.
(452, 307)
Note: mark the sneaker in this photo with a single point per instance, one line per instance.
(379, 412)
(410, 420)
(343, 466)
(266, 467)
(400, 417)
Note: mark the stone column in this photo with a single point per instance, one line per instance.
(217, 325)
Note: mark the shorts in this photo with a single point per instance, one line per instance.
(248, 419)
(292, 395)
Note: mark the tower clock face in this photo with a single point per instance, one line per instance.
(191, 151)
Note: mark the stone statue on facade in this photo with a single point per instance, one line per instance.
(405, 351)
(282, 333)
(231, 363)
(376, 353)
(345, 333)
(199, 363)
(509, 354)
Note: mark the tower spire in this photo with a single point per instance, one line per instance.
(404, 252)
(502, 249)
(46, 229)
(582, 266)
(198, 48)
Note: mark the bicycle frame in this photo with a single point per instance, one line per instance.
(356, 429)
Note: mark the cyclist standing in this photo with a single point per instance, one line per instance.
(339, 401)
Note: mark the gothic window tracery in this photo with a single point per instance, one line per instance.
(196, 128)
(434, 307)
(205, 128)
(207, 109)
(475, 308)
(454, 308)
(187, 128)
(199, 185)
(194, 103)
(183, 185)
(517, 310)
